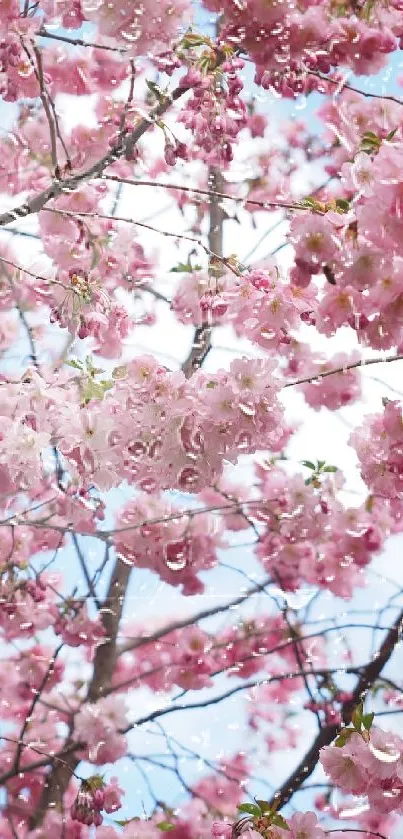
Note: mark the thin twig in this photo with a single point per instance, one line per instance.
(211, 193)
(367, 678)
(201, 344)
(46, 104)
(365, 362)
(225, 261)
(78, 42)
(121, 148)
(345, 86)
(35, 700)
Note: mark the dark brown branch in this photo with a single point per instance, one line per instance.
(111, 612)
(368, 676)
(124, 146)
(51, 104)
(182, 623)
(104, 663)
(364, 362)
(38, 71)
(201, 345)
(35, 700)
(215, 700)
(78, 42)
(345, 86)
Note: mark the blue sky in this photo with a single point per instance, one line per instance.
(222, 728)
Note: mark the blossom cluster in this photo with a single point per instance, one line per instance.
(370, 766)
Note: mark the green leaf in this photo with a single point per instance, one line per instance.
(124, 822)
(308, 464)
(193, 39)
(309, 202)
(367, 720)
(321, 464)
(165, 826)
(279, 821)
(181, 268)
(76, 364)
(356, 718)
(391, 134)
(156, 91)
(330, 469)
(264, 806)
(342, 204)
(343, 737)
(369, 503)
(252, 809)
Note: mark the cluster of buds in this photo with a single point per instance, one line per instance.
(93, 797)
(13, 60)
(89, 802)
(82, 299)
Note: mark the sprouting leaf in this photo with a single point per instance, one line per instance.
(343, 737)
(264, 806)
(182, 268)
(166, 826)
(308, 464)
(356, 717)
(193, 39)
(330, 469)
(342, 204)
(370, 135)
(309, 202)
(367, 720)
(391, 134)
(252, 809)
(156, 91)
(369, 503)
(124, 822)
(279, 821)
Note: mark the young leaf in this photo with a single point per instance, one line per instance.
(342, 204)
(356, 718)
(391, 134)
(264, 806)
(181, 268)
(156, 91)
(251, 809)
(166, 826)
(343, 737)
(124, 822)
(279, 821)
(367, 720)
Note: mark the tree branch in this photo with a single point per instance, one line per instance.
(368, 676)
(104, 663)
(124, 146)
(201, 344)
(364, 362)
